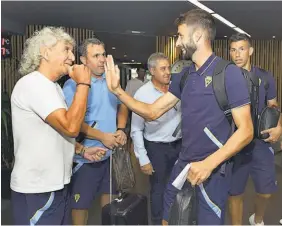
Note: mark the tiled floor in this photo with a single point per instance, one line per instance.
(272, 217)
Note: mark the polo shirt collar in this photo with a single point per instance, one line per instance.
(204, 66)
(155, 88)
(93, 79)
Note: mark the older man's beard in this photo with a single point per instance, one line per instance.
(188, 51)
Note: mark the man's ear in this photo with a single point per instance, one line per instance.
(44, 51)
(251, 51)
(83, 60)
(152, 71)
(197, 35)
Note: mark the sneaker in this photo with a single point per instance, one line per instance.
(252, 221)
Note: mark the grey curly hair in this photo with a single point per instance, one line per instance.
(48, 36)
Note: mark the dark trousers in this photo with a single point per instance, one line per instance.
(49, 208)
(163, 157)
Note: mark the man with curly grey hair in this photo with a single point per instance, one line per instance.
(44, 128)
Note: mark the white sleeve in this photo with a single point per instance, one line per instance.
(43, 98)
(137, 135)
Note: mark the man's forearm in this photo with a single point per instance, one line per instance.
(235, 143)
(91, 133)
(139, 147)
(76, 112)
(122, 116)
(280, 121)
(140, 108)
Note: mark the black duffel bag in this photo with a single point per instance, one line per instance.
(123, 170)
(184, 208)
(268, 119)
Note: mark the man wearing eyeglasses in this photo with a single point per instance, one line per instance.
(103, 109)
(256, 159)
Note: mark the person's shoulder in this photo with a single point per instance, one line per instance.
(29, 81)
(261, 71)
(176, 77)
(263, 74)
(129, 82)
(144, 89)
(31, 84)
(232, 69)
(185, 70)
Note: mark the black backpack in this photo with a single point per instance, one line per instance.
(218, 83)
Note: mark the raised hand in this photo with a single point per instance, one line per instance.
(112, 74)
(80, 74)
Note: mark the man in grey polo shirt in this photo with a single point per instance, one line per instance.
(154, 146)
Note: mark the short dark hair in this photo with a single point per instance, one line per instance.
(200, 18)
(90, 41)
(141, 67)
(240, 37)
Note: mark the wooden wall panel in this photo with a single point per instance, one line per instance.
(267, 55)
(166, 45)
(9, 67)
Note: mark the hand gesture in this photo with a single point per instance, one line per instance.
(112, 74)
(94, 153)
(80, 74)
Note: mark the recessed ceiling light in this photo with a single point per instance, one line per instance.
(131, 63)
(273, 37)
(217, 16)
(132, 60)
(200, 5)
(113, 47)
(223, 20)
(241, 31)
(225, 36)
(137, 32)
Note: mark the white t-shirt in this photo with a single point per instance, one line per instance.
(133, 85)
(43, 156)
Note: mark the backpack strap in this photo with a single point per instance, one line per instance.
(266, 86)
(265, 83)
(253, 88)
(218, 83)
